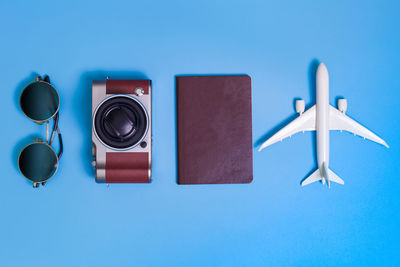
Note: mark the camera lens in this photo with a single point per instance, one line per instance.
(121, 122)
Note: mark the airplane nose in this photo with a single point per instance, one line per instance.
(322, 71)
(322, 68)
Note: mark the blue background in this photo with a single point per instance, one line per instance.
(73, 221)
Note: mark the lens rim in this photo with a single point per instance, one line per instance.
(140, 104)
(58, 107)
(55, 154)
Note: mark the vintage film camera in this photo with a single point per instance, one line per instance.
(121, 131)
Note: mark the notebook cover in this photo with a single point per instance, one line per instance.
(214, 129)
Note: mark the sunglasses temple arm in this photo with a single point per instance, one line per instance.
(52, 136)
(46, 79)
(61, 143)
(55, 128)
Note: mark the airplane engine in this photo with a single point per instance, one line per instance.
(342, 105)
(300, 106)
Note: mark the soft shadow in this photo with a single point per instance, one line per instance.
(82, 106)
(214, 74)
(30, 138)
(21, 85)
(18, 148)
(274, 130)
(176, 125)
(337, 99)
(312, 81)
(312, 71)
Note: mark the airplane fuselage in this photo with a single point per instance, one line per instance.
(322, 117)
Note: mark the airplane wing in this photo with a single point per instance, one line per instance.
(340, 121)
(305, 122)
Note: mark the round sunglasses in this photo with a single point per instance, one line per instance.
(38, 161)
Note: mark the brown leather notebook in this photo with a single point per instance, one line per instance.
(214, 129)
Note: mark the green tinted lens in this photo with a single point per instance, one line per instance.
(38, 162)
(39, 101)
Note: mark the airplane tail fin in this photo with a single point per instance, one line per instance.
(324, 174)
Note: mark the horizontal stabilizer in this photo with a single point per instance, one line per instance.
(324, 174)
(314, 177)
(334, 178)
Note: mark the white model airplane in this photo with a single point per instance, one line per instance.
(321, 118)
